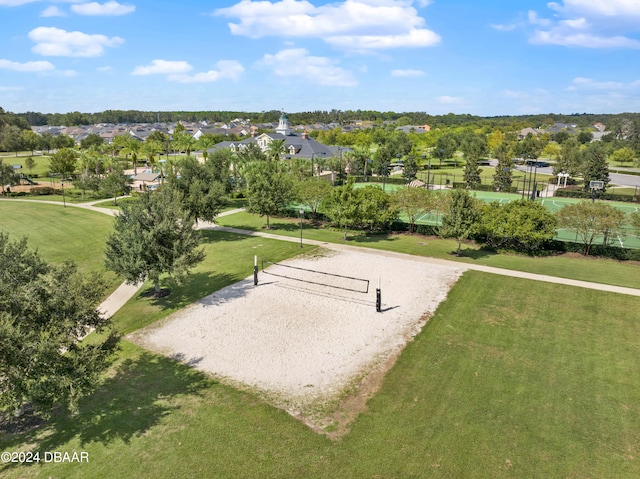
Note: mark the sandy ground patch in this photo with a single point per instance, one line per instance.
(302, 344)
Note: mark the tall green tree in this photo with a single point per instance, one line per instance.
(461, 218)
(473, 146)
(529, 148)
(153, 237)
(590, 220)
(131, 147)
(12, 139)
(116, 183)
(92, 140)
(413, 202)
(381, 161)
(341, 206)
(8, 175)
(623, 155)
(183, 141)
(151, 149)
(269, 190)
(30, 140)
(569, 160)
(204, 143)
(410, 166)
(312, 192)
(375, 210)
(63, 162)
(446, 146)
(276, 149)
(594, 165)
(44, 310)
(503, 175)
(202, 196)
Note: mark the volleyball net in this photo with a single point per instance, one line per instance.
(321, 278)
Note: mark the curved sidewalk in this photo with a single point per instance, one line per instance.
(464, 266)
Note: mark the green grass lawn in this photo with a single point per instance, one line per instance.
(501, 383)
(566, 266)
(60, 234)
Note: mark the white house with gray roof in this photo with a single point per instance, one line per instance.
(297, 145)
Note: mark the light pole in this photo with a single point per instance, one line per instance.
(429, 174)
(64, 201)
(301, 211)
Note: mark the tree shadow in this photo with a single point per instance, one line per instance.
(380, 238)
(214, 236)
(475, 254)
(198, 286)
(125, 406)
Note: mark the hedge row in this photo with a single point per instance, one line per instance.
(601, 196)
(391, 180)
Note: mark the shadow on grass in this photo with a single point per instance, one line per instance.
(197, 286)
(214, 236)
(125, 406)
(476, 254)
(373, 238)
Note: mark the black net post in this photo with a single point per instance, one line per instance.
(255, 270)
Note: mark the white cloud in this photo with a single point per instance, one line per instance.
(177, 71)
(589, 24)
(407, 73)
(608, 8)
(504, 28)
(163, 67)
(52, 12)
(581, 83)
(30, 67)
(226, 69)
(297, 62)
(109, 8)
(450, 100)
(584, 40)
(534, 19)
(51, 41)
(350, 24)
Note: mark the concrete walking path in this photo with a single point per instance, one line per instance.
(125, 291)
(444, 262)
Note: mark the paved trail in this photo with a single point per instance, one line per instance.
(125, 291)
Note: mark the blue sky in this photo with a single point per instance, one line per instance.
(490, 57)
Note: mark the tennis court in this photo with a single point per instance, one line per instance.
(628, 239)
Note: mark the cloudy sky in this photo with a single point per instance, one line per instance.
(489, 57)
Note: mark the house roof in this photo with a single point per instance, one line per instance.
(146, 177)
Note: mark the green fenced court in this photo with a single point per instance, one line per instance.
(629, 238)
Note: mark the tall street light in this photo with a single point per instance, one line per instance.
(64, 201)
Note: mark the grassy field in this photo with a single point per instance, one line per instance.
(566, 266)
(501, 383)
(60, 234)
